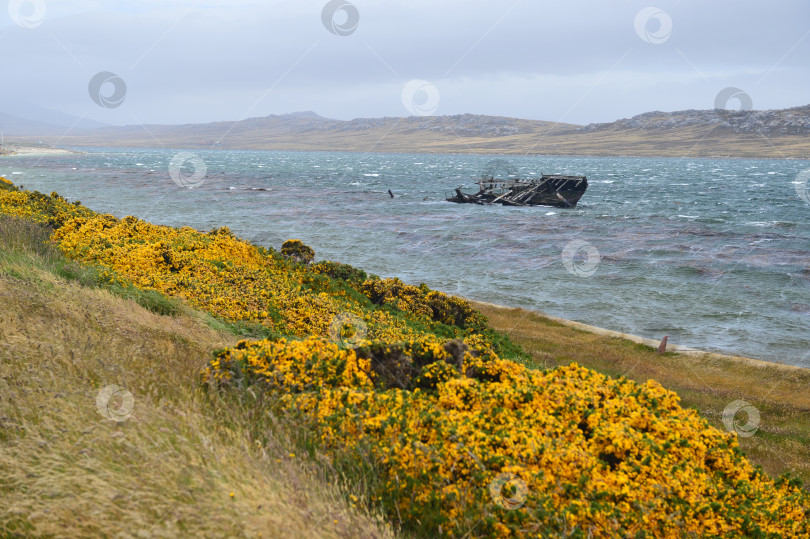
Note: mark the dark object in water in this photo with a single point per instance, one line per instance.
(390, 193)
(549, 190)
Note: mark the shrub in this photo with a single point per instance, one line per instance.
(450, 428)
(6, 185)
(424, 302)
(296, 250)
(336, 270)
(511, 451)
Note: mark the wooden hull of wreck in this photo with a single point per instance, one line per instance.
(553, 190)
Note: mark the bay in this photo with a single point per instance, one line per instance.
(713, 252)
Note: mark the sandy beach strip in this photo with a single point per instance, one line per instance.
(12, 150)
(679, 349)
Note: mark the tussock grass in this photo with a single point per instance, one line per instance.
(22, 238)
(169, 469)
(706, 382)
(194, 463)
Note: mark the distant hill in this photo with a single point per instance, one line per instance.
(301, 114)
(693, 133)
(793, 121)
(14, 126)
(18, 119)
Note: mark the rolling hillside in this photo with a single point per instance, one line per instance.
(691, 133)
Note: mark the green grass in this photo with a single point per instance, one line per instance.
(188, 462)
(707, 383)
(22, 238)
(65, 332)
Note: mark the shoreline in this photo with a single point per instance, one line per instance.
(13, 150)
(437, 151)
(671, 347)
(674, 348)
(715, 386)
(712, 386)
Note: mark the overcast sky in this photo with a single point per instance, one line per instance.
(573, 61)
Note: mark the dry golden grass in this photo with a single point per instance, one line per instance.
(705, 382)
(400, 135)
(169, 469)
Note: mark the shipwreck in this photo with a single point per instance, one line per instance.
(549, 190)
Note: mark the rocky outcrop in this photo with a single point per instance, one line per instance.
(766, 122)
(465, 125)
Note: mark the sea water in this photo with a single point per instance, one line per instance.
(714, 253)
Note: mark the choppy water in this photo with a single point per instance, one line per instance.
(713, 252)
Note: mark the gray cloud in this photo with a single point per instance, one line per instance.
(577, 61)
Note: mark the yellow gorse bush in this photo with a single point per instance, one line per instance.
(421, 301)
(463, 442)
(598, 456)
(217, 272)
(53, 210)
(296, 250)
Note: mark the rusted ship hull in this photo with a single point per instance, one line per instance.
(549, 190)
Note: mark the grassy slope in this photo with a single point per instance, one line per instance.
(170, 467)
(539, 138)
(707, 383)
(168, 470)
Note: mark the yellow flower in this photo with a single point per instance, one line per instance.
(460, 438)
